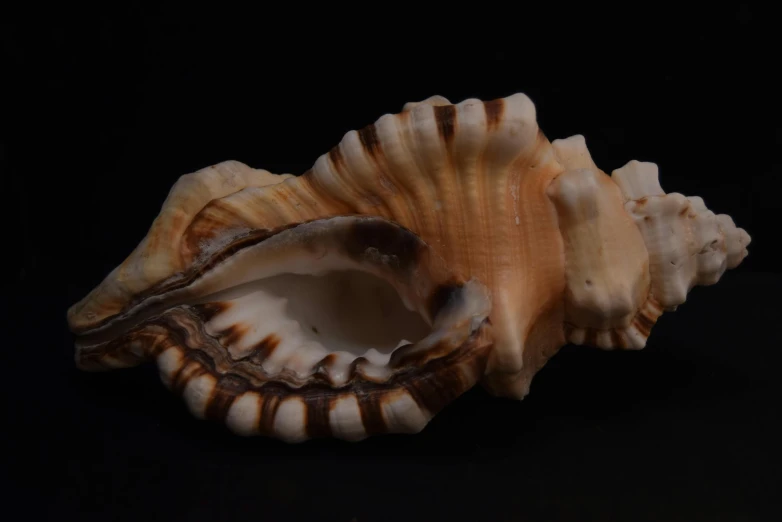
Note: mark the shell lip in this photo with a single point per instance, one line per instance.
(462, 321)
(86, 327)
(90, 323)
(424, 376)
(378, 245)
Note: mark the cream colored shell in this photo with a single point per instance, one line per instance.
(566, 252)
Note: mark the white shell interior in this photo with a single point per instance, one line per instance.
(346, 312)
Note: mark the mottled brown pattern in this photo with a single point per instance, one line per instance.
(494, 110)
(445, 115)
(402, 246)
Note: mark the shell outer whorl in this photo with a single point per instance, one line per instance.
(464, 207)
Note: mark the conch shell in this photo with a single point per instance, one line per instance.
(434, 249)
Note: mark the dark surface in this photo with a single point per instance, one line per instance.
(106, 110)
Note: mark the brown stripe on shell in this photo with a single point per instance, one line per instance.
(643, 323)
(262, 350)
(617, 340)
(228, 388)
(201, 357)
(228, 216)
(270, 402)
(591, 337)
(318, 407)
(445, 116)
(335, 155)
(653, 307)
(494, 110)
(431, 385)
(370, 140)
(370, 404)
(190, 369)
(433, 392)
(232, 334)
(239, 243)
(158, 343)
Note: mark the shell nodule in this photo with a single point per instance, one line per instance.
(438, 248)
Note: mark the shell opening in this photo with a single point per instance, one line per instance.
(347, 313)
(346, 326)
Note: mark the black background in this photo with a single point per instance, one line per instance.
(103, 111)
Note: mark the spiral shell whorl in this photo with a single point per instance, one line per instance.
(688, 244)
(465, 203)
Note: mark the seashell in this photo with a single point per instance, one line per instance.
(446, 245)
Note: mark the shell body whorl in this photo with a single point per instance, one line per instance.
(539, 245)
